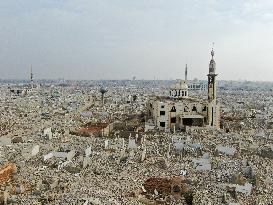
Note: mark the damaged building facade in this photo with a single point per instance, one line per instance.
(179, 110)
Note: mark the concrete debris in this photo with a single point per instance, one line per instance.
(4, 141)
(202, 164)
(59, 144)
(132, 144)
(48, 133)
(88, 152)
(226, 150)
(86, 162)
(48, 156)
(7, 172)
(71, 154)
(246, 189)
(183, 172)
(179, 146)
(106, 144)
(164, 187)
(35, 150)
(143, 155)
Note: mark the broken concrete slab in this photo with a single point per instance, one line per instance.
(226, 150)
(4, 141)
(132, 144)
(48, 156)
(202, 164)
(246, 189)
(86, 162)
(48, 133)
(71, 155)
(179, 145)
(88, 152)
(35, 150)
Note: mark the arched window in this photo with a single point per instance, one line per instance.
(194, 109)
(186, 109)
(173, 109)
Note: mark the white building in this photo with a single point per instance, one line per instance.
(197, 85)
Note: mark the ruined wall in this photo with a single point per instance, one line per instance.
(175, 109)
(214, 114)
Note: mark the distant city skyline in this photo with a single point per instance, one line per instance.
(106, 39)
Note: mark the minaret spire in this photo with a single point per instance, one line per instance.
(186, 73)
(212, 106)
(212, 51)
(212, 64)
(31, 74)
(31, 77)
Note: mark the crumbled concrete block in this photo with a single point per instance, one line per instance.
(4, 141)
(226, 150)
(179, 145)
(71, 155)
(132, 144)
(202, 164)
(106, 144)
(35, 150)
(48, 156)
(60, 154)
(86, 162)
(88, 152)
(48, 133)
(246, 189)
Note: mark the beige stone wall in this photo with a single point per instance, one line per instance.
(183, 108)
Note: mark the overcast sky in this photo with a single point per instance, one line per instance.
(119, 39)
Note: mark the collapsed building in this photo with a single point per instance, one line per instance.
(7, 172)
(175, 186)
(179, 110)
(124, 164)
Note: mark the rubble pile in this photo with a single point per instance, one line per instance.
(163, 189)
(7, 172)
(47, 158)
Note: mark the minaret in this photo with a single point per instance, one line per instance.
(212, 78)
(31, 76)
(213, 107)
(186, 73)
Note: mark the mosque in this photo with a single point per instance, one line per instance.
(31, 87)
(179, 110)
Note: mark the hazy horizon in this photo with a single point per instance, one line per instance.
(106, 39)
